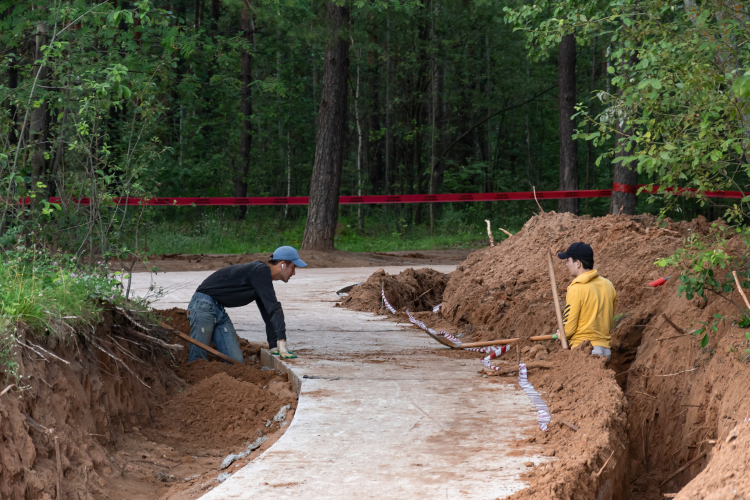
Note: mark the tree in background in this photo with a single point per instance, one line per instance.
(322, 214)
(566, 85)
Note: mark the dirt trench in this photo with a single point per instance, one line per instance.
(656, 418)
(106, 415)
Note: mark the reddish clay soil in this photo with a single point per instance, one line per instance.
(419, 290)
(338, 258)
(679, 401)
(145, 425)
(725, 477)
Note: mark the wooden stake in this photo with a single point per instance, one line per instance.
(490, 342)
(533, 188)
(558, 311)
(200, 344)
(489, 233)
(739, 289)
(506, 232)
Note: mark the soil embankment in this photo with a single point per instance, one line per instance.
(654, 414)
(111, 416)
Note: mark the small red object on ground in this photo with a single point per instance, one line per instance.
(659, 282)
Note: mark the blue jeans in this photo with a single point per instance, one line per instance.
(210, 322)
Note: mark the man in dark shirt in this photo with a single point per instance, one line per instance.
(237, 286)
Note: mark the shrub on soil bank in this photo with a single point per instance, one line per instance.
(49, 296)
(39, 290)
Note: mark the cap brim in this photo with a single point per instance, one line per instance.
(299, 263)
(563, 255)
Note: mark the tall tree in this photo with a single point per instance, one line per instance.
(325, 183)
(246, 110)
(624, 178)
(566, 81)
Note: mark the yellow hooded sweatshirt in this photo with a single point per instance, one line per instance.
(590, 307)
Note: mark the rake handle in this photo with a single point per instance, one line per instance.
(200, 344)
(558, 310)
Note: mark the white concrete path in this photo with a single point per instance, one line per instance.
(382, 414)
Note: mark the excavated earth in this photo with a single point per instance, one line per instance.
(107, 415)
(664, 418)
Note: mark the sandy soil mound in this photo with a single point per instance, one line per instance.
(116, 418)
(505, 289)
(237, 408)
(416, 290)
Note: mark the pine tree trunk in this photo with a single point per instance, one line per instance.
(566, 80)
(325, 183)
(246, 109)
(624, 180)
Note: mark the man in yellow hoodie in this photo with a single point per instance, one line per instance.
(590, 302)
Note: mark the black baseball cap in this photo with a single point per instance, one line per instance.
(578, 251)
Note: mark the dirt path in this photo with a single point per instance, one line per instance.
(383, 413)
(212, 262)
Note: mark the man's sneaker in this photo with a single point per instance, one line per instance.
(275, 352)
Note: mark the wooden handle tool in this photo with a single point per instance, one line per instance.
(200, 344)
(558, 311)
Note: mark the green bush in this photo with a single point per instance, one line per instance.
(41, 291)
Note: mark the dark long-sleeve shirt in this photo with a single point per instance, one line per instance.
(238, 285)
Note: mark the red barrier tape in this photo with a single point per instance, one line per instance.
(624, 188)
(396, 198)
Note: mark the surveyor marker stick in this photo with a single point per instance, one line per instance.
(199, 344)
(558, 311)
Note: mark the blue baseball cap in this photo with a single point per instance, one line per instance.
(288, 253)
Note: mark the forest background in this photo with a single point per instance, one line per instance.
(321, 98)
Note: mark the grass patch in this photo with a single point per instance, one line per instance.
(48, 296)
(214, 234)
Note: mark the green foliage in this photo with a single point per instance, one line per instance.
(213, 233)
(48, 296)
(708, 328)
(706, 266)
(40, 291)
